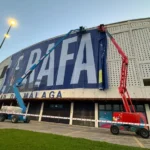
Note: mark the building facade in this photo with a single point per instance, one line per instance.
(82, 100)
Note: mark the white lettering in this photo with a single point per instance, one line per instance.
(89, 66)
(36, 52)
(3, 87)
(18, 62)
(47, 72)
(63, 59)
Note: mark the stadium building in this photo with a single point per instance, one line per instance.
(80, 78)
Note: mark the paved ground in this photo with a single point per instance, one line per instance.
(98, 134)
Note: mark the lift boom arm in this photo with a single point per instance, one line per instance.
(19, 99)
(124, 71)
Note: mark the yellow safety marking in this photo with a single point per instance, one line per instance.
(100, 76)
(138, 142)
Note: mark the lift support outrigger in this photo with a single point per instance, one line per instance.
(22, 108)
(130, 115)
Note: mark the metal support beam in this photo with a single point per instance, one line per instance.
(41, 111)
(28, 105)
(71, 112)
(96, 115)
(147, 108)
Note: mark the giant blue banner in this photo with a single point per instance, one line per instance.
(78, 62)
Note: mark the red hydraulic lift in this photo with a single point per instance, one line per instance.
(130, 115)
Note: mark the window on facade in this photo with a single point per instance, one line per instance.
(111, 107)
(146, 82)
(108, 107)
(56, 106)
(140, 108)
(52, 106)
(101, 107)
(116, 107)
(3, 72)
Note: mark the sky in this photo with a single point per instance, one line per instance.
(39, 20)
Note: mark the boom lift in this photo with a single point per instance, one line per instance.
(129, 116)
(7, 110)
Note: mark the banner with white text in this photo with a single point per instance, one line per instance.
(78, 62)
